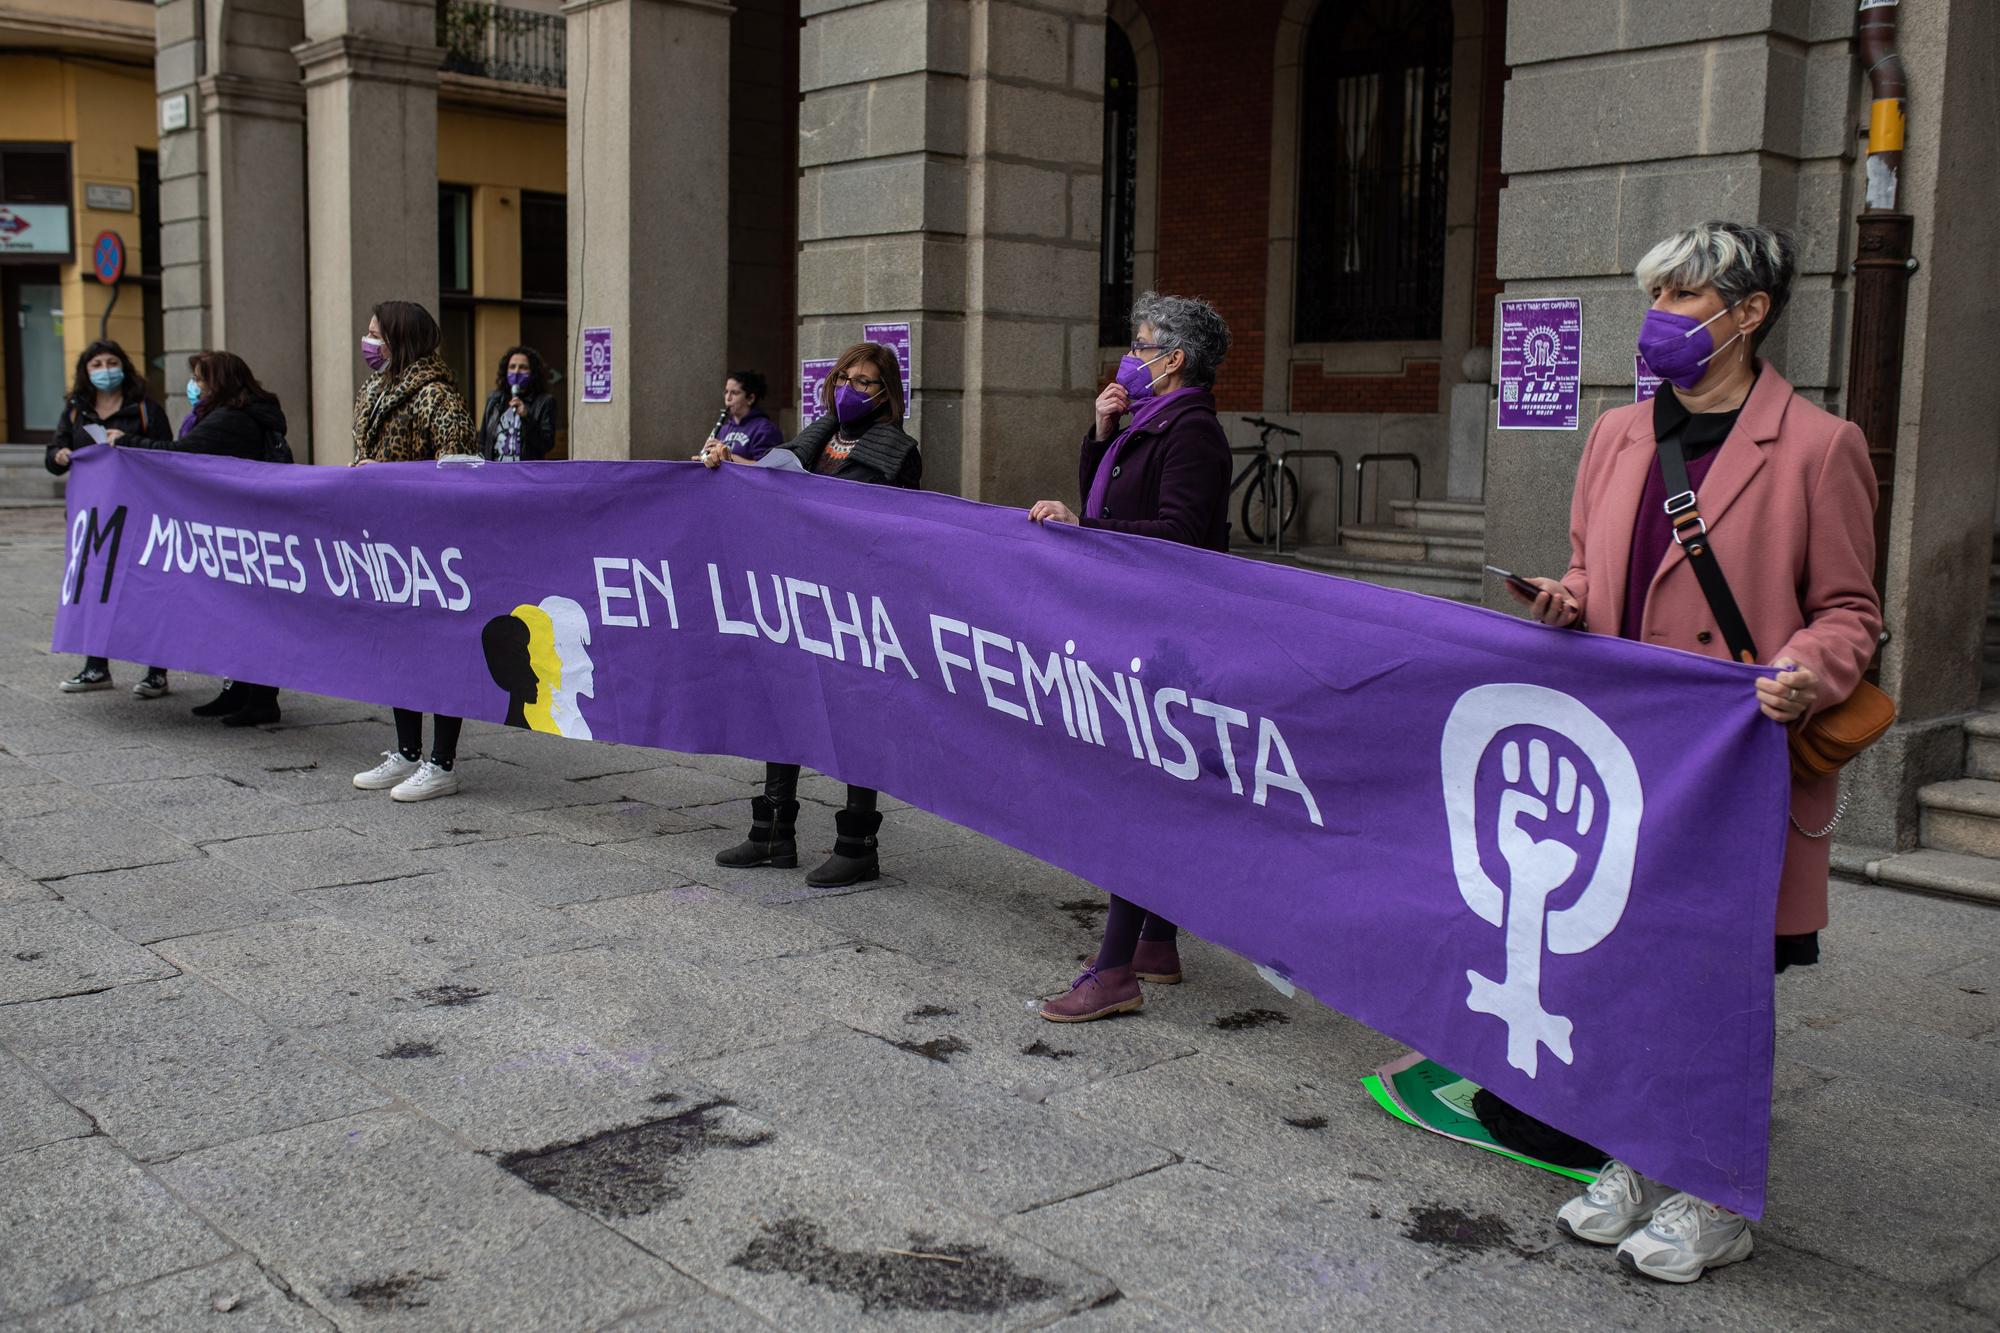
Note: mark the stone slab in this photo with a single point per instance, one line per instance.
(312, 859)
(89, 836)
(547, 869)
(670, 786)
(809, 1240)
(450, 919)
(30, 1113)
(408, 1228)
(52, 949)
(153, 903)
(132, 763)
(174, 1065)
(1890, 1181)
(704, 925)
(233, 1291)
(613, 821)
(963, 1143)
(81, 1219)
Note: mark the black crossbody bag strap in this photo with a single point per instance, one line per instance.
(1691, 532)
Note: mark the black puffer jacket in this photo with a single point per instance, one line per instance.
(144, 423)
(884, 455)
(538, 427)
(233, 432)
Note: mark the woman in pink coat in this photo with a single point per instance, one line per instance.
(1788, 495)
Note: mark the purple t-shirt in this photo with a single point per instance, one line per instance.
(1702, 438)
(752, 437)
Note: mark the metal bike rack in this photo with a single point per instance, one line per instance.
(1339, 491)
(1361, 478)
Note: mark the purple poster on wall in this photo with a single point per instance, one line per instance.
(1644, 382)
(812, 374)
(1541, 362)
(597, 365)
(898, 337)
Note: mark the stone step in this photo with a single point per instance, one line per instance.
(1960, 816)
(1952, 873)
(1413, 545)
(1459, 583)
(1982, 746)
(1439, 515)
(23, 475)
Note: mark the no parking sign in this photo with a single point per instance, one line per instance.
(107, 257)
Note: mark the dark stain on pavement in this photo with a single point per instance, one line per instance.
(1244, 1019)
(665, 1098)
(1306, 1121)
(927, 1275)
(1456, 1230)
(940, 1049)
(1085, 911)
(451, 996)
(409, 1050)
(628, 1172)
(398, 1291)
(293, 768)
(1047, 1052)
(929, 1011)
(29, 955)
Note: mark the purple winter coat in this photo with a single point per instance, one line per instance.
(1171, 478)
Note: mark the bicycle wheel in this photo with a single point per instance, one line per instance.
(1257, 524)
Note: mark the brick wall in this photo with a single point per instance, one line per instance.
(1215, 170)
(1415, 390)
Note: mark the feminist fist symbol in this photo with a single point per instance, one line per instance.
(1537, 867)
(1550, 795)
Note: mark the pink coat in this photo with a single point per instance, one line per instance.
(1790, 502)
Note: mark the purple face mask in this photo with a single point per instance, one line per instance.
(1677, 348)
(851, 405)
(1137, 376)
(517, 378)
(374, 353)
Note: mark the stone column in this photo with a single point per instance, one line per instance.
(1625, 123)
(371, 77)
(1942, 505)
(648, 219)
(232, 199)
(952, 159)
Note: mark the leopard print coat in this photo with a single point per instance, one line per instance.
(419, 415)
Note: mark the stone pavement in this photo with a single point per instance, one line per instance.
(275, 1053)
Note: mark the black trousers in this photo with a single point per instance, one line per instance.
(444, 736)
(781, 784)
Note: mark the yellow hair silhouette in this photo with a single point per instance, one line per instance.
(547, 665)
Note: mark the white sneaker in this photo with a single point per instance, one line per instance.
(392, 770)
(1685, 1238)
(429, 780)
(1612, 1206)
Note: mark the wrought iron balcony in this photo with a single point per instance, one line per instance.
(497, 42)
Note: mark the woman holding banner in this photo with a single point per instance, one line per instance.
(1165, 475)
(107, 401)
(231, 416)
(858, 437)
(1778, 494)
(409, 410)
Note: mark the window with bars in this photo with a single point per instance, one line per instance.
(1121, 187)
(1373, 129)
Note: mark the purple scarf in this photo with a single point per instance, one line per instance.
(194, 415)
(1100, 485)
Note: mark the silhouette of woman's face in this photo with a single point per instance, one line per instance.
(505, 639)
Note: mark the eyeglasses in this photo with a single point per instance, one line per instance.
(859, 382)
(1139, 347)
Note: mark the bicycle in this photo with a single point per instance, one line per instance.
(1274, 484)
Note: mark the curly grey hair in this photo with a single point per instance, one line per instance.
(1189, 325)
(1737, 259)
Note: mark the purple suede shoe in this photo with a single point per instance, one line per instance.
(1096, 995)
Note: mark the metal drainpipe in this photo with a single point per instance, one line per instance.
(1882, 268)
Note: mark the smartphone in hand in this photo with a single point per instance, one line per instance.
(1515, 581)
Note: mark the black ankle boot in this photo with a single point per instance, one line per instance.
(260, 708)
(234, 695)
(853, 860)
(772, 841)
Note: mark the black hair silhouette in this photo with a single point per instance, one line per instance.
(505, 639)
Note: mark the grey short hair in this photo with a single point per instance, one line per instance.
(1737, 259)
(1188, 325)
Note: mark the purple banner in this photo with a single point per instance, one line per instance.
(1541, 363)
(597, 365)
(1644, 382)
(896, 336)
(1548, 860)
(812, 374)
